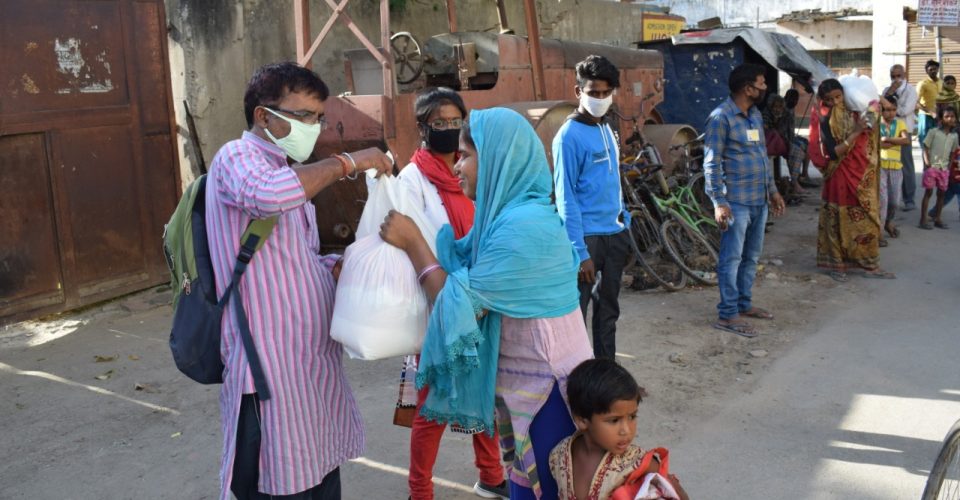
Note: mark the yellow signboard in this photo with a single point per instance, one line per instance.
(660, 26)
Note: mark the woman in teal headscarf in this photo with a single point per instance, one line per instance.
(505, 330)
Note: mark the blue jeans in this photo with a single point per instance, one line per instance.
(909, 173)
(740, 248)
(925, 123)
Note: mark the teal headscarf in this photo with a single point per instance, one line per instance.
(517, 261)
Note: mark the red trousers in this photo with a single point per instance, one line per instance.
(424, 444)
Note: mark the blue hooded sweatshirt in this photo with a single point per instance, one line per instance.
(586, 180)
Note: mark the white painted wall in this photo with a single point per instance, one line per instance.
(738, 12)
(831, 34)
(889, 35)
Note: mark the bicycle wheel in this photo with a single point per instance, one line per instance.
(689, 249)
(698, 186)
(711, 231)
(944, 479)
(647, 265)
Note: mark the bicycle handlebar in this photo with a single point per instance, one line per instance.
(698, 140)
(645, 170)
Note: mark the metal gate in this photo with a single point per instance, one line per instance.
(88, 170)
(921, 47)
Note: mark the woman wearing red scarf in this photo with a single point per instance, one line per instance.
(429, 177)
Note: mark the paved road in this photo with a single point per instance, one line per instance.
(854, 410)
(857, 410)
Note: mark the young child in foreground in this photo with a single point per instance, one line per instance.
(600, 456)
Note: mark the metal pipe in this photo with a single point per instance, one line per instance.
(389, 127)
(536, 58)
(502, 18)
(301, 18)
(939, 47)
(451, 16)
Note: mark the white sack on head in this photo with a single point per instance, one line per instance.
(859, 92)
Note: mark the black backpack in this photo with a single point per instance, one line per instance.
(197, 312)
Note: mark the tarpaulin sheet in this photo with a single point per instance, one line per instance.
(697, 64)
(781, 51)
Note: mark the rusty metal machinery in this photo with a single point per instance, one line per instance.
(546, 117)
(536, 77)
(666, 136)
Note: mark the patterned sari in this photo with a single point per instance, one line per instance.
(849, 230)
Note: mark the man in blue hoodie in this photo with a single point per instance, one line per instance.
(587, 184)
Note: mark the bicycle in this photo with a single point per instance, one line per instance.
(656, 266)
(684, 229)
(649, 253)
(691, 166)
(682, 198)
(680, 236)
(682, 242)
(944, 479)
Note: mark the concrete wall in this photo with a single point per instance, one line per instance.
(831, 34)
(215, 45)
(739, 12)
(889, 37)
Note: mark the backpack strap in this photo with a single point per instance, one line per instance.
(253, 238)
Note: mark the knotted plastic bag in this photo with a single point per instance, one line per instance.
(380, 309)
(859, 92)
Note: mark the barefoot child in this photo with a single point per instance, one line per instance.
(600, 456)
(893, 135)
(938, 149)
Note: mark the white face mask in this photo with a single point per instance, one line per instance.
(594, 106)
(298, 144)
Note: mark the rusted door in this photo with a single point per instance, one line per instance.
(89, 174)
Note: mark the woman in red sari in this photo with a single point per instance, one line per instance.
(848, 143)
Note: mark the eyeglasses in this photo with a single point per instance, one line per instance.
(308, 117)
(455, 123)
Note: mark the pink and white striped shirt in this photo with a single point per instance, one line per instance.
(311, 424)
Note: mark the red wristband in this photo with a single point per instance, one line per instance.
(343, 164)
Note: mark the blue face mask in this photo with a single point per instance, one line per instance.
(298, 144)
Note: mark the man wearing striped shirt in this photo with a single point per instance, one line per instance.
(739, 180)
(292, 444)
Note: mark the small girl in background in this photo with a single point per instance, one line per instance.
(600, 456)
(939, 147)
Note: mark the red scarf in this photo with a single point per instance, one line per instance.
(459, 208)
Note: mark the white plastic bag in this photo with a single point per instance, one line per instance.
(656, 487)
(380, 309)
(859, 92)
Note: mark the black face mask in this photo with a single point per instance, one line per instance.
(443, 141)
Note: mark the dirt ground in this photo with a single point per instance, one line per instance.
(93, 406)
